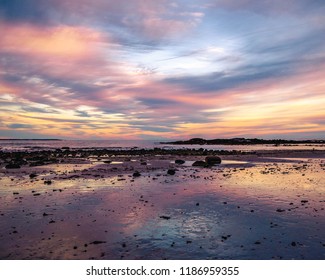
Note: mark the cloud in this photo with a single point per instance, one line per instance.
(19, 125)
(161, 68)
(266, 7)
(58, 42)
(152, 20)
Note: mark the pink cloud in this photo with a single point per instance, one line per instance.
(57, 42)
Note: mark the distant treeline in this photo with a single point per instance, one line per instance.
(242, 141)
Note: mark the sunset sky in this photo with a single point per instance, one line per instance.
(159, 69)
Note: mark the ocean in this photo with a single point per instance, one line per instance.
(34, 145)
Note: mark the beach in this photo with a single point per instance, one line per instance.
(139, 204)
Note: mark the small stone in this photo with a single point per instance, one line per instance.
(32, 176)
(171, 172)
(164, 217)
(96, 242)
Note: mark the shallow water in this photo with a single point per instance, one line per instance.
(269, 211)
(36, 145)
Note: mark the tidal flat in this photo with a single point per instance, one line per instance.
(264, 205)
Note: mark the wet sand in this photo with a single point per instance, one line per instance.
(264, 205)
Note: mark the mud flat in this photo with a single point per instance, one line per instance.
(111, 205)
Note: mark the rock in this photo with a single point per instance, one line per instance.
(32, 176)
(212, 160)
(293, 244)
(143, 163)
(12, 166)
(200, 163)
(164, 217)
(171, 171)
(47, 182)
(107, 161)
(96, 242)
(136, 174)
(179, 161)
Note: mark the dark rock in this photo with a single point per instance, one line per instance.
(293, 244)
(136, 174)
(304, 201)
(179, 161)
(47, 182)
(107, 161)
(212, 160)
(32, 176)
(12, 166)
(165, 217)
(197, 204)
(37, 163)
(143, 163)
(280, 210)
(96, 242)
(171, 171)
(200, 163)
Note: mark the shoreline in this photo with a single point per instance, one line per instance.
(76, 204)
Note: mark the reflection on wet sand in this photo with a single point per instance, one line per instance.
(271, 210)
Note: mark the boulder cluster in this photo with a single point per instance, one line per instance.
(208, 162)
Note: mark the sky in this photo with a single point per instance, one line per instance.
(160, 69)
